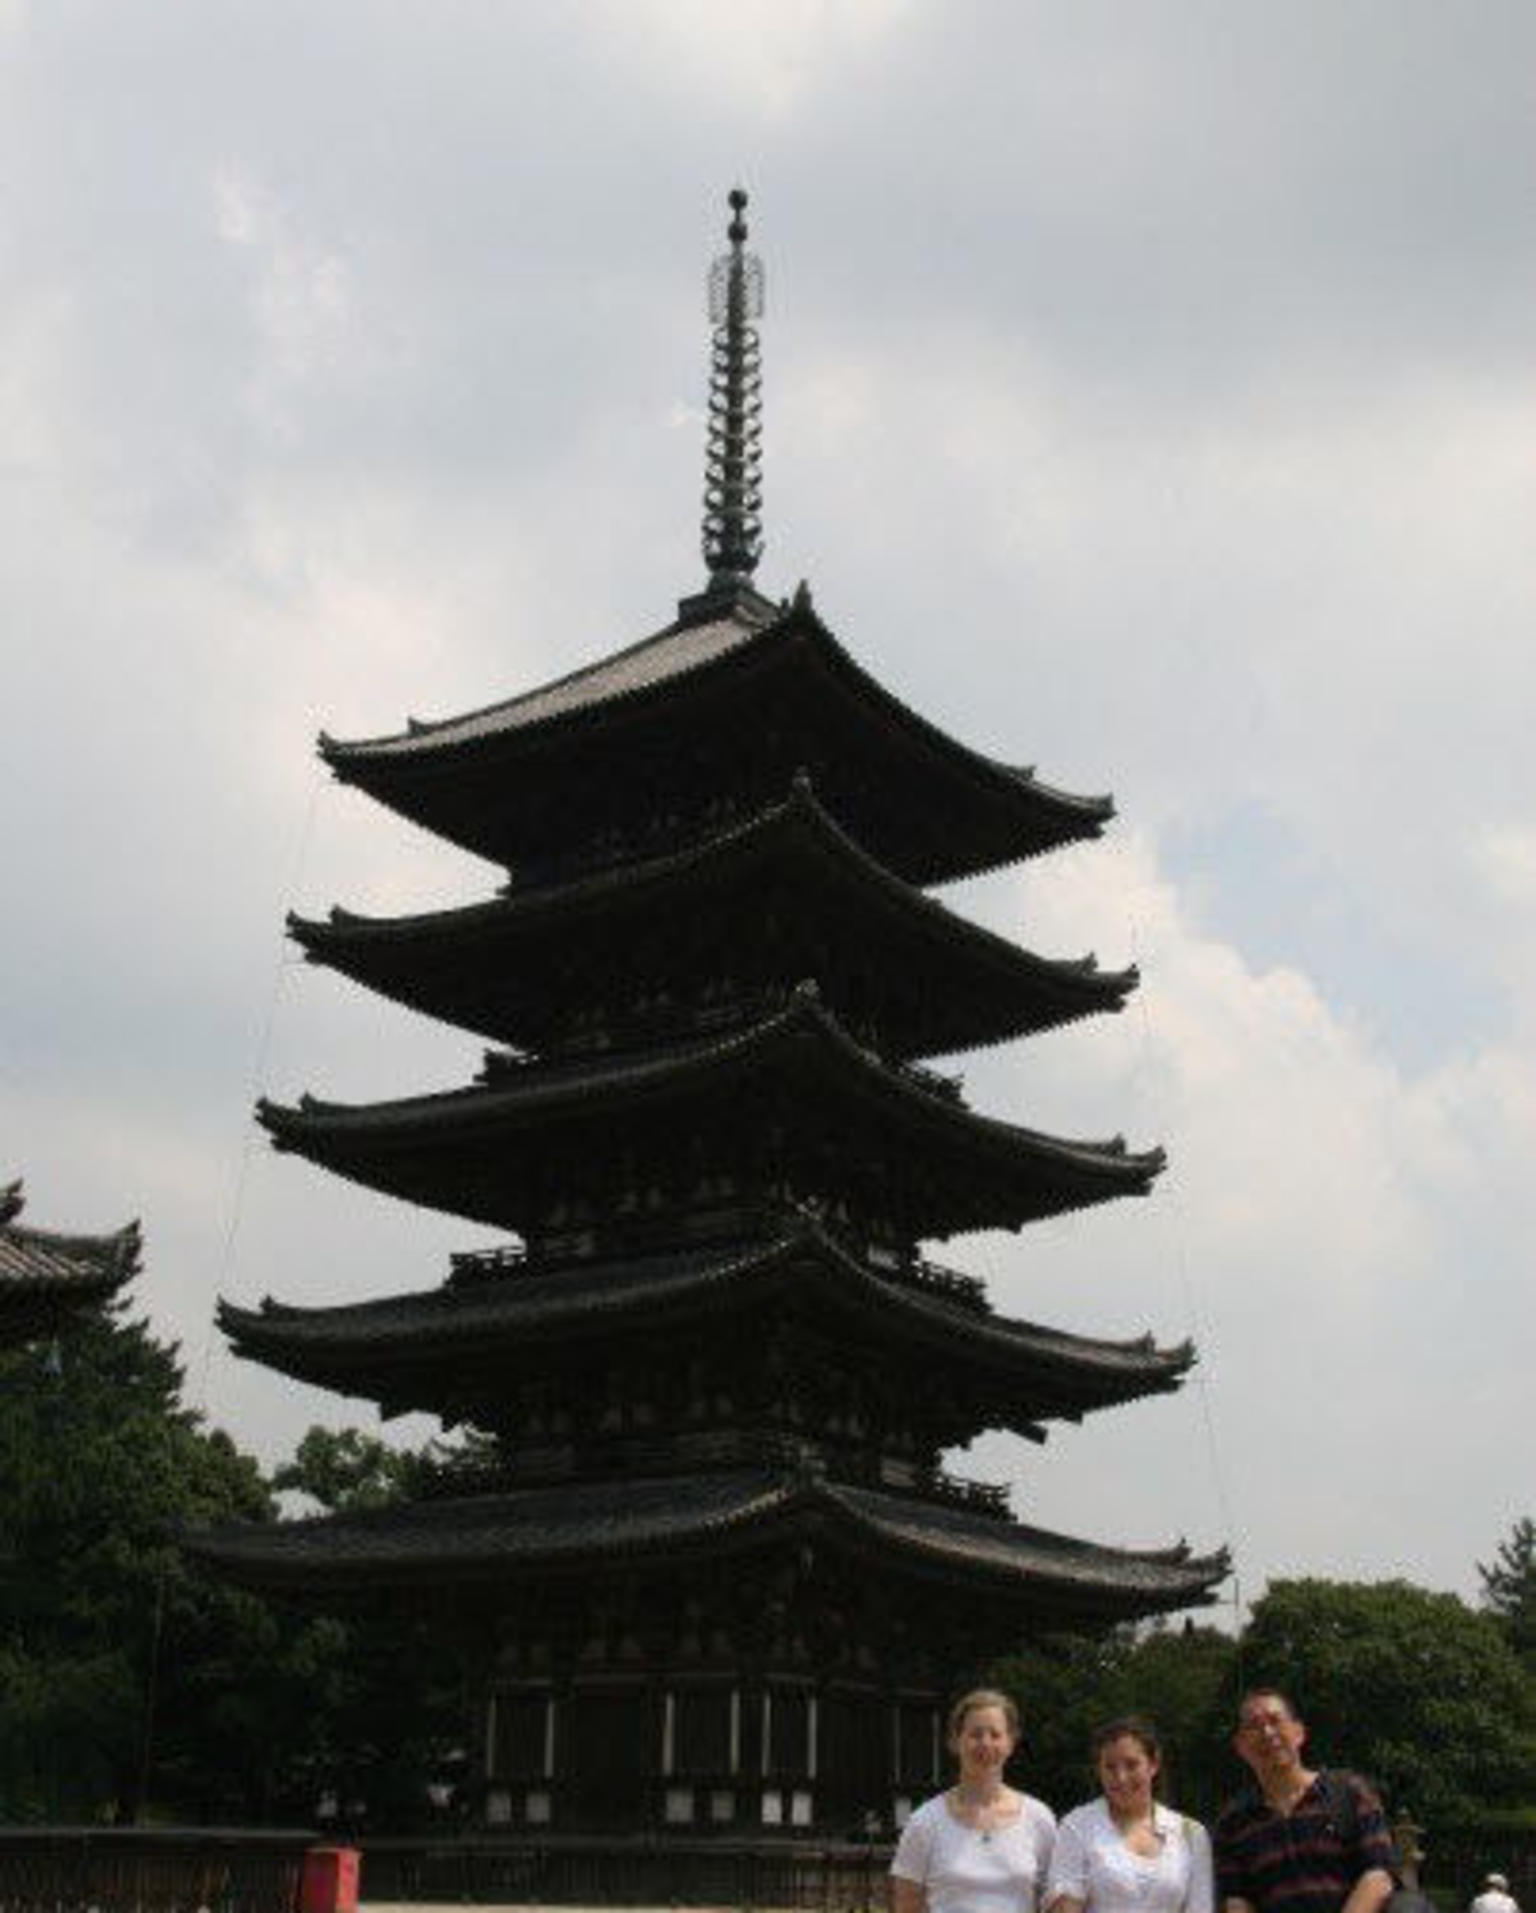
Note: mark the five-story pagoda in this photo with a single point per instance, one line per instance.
(721, 1582)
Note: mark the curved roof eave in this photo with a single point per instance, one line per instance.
(577, 1527)
(1039, 991)
(446, 1320)
(800, 812)
(679, 653)
(547, 1088)
(46, 1259)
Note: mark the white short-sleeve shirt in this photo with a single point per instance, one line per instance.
(1092, 1863)
(963, 1870)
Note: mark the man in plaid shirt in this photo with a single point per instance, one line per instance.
(1299, 1841)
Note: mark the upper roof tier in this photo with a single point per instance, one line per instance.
(666, 1525)
(46, 1279)
(757, 904)
(723, 706)
(452, 1351)
(790, 1104)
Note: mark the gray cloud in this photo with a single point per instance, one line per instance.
(1150, 394)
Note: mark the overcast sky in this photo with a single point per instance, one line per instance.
(1151, 397)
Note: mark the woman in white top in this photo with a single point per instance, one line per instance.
(982, 1847)
(1126, 1852)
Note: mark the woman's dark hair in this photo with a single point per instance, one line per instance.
(1132, 1727)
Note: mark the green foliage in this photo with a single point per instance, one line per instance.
(1064, 1686)
(346, 1469)
(1509, 1589)
(129, 1677)
(60, 1730)
(386, 1700)
(1068, 1686)
(1414, 1689)
(99, 1465)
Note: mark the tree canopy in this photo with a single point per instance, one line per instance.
(1509, 1589)
(1414, 1689)
(1421, 1693)
(1068, 1686)
(131, 1678)
(115, 1654)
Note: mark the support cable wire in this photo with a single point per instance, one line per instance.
(1195, 1315)
(283, 963)
(236, 1212)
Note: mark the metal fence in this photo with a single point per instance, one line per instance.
(150, 1869)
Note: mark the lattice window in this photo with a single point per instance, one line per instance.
(702, 1733)
(787, 1714)
(522, 1736)
(917, 1743)
(856, 1751)
(615, 1745)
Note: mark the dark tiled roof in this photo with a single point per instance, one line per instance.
(440, 1148)
(497, 966)
(1174, 1575)
(666, 654)
(523, 1311)
(588, 1526)
(434, 772)
(45, 1277)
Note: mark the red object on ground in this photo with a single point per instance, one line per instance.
(329, 1881)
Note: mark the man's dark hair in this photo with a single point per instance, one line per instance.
(1252, 1694)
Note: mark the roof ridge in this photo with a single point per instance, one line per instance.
(333, 749)
(804, 1011)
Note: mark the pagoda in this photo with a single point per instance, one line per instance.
(50, 1281)
(719, 1582)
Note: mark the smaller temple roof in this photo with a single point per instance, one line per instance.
(784, 887)
(445, 1349)
(628, 730)
(582, 1528)
(933, 1165)
(48, 1278)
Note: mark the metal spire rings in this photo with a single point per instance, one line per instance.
(733, 529)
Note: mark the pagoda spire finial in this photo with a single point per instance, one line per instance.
(733, 531)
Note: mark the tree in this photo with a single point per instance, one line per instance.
(127, 1675)
(342, 1468)
(1065, 1685)
(99, 1462)
(1509, 1589)
(1184, 1678)
(1414, 1689)
(1068, 1686)
(391, 1712)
